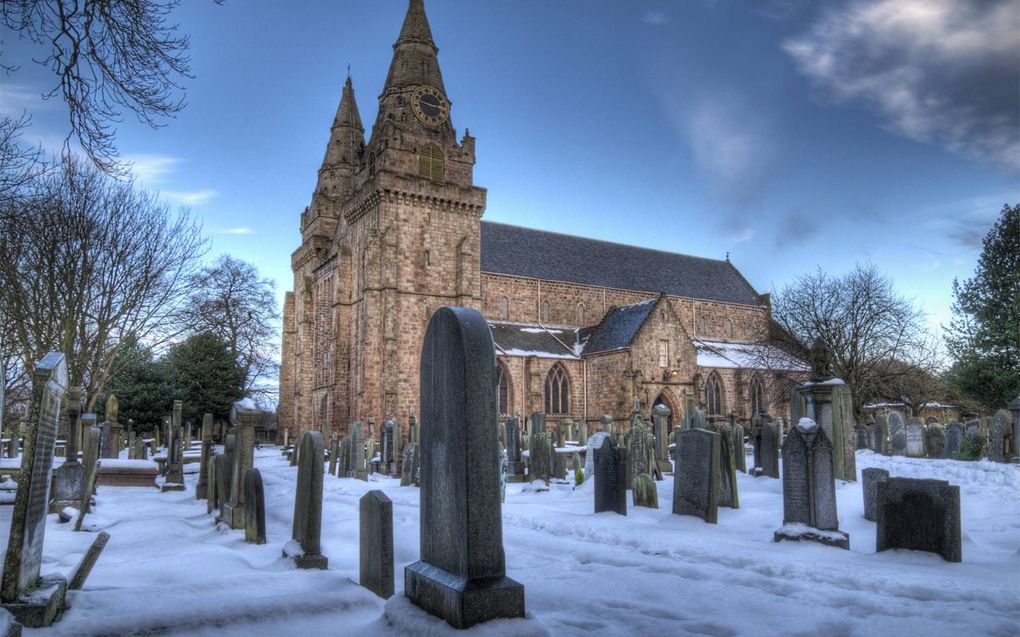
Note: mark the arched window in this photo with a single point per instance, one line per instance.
(580, 313)
(544, 317)
(557, 391)
(713, 395)
(504, 391)
(504, 308)
(430, 163)
(757, 396)
(728, 329)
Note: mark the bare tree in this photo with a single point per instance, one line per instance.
(876, 336)
(912, 385)
(19, 166)
(230, 300)
(88, 263)
(108, 56)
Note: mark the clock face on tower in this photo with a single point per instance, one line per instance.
(430, 106)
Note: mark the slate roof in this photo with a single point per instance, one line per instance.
(725, 354)
(529, 339)
(618, 328)
(551, 256)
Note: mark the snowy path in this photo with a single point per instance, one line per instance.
(168, 570)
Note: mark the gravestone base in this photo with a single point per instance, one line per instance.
(9, 627)
(68, 487)
(172, 486)
(233, 515)
(42, 607)
(292, 550)
(796, 532)
(460, 601)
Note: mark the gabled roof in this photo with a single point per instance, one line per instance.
(618, 328)
(551, 256)
(727, 355)
(531, 339)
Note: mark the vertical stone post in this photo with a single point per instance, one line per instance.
(376, 543)
(306, 547)
(244, 415)
(202, 488)
(660, 429)
(69, 478)
(1014, 407)
(254, 508)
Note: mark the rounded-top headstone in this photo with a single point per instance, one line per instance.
(245, 405)
(661, 410)
(807, 425)
(111, 408)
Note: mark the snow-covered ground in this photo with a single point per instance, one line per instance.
(169, 570)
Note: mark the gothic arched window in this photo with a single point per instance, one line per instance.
(430, 163)
(544, 316)
(713, 395)
(757, 396)
(580, 313)
(504, 390)
(557, 391)
(728, 329)
(504, 308)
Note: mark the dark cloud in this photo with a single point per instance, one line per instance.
(939, 71)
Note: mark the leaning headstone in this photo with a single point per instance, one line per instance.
(729, 495)
(254, 507)
(610, 478)
(870, 478)
(376, 540)
(922, 515)
(306, 547)
(897, 434)
(645, 492)
(202, 487)
(35, 601)
(954, 439)
(596, 441)
(69, 479)
(914, 434)
(461, 576)
(809, 488)
(540, 457)
(84, 568)
(1001, 430)
(696, 478)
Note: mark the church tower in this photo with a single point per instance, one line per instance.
(392, 234)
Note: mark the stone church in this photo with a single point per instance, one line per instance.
(394, 231)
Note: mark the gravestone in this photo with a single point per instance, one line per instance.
(244, 415)
(174, 463)
(897, 434)
(387, 462)
(737, 440)
(461, 576)
(640, 451)
(914, 434)
(376, 543)
(35, 601)
(343, 458)
(769, 449)
(646, 494)
(141, 451)
(728, 495)
(809, 488)
(610, 478)
(254, 507)
(202, 488)
(870, 478)
(537, 424)
(757, 424)
(539, 457)
(862, 438)
(880, 435)
(582, 433)
(596, 441)
(69, 478)
(696, 477)
(224, 471)
(999, 435)
(934, 441)
(359, 468)
(212, 499)
(334, 453)
(305, 549)
(973, 429)
(84, 567)
(512, 436)
(92, 443)
(563, 431)
(660, 429)
(1014, 408)
(113, 428)
(607, 424)
(407, 469)
(922, 515)
(954, 439)
(559, 464)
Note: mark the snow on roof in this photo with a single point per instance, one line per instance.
(727, 355)
(531, 339)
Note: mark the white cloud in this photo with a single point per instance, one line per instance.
(655, 18)
(742, 234)
(17, 99)
(151, 169)
(195, 198)
(236, 231)
(938, 71)
(728, 146)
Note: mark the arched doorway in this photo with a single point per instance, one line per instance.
(665, 398)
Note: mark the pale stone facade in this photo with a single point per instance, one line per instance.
(394, 231)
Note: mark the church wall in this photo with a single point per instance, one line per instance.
(610, 391)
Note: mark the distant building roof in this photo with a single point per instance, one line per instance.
(618, 328)
(531, 339)
(727, 355)
(551, 256)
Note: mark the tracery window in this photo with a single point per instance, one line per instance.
(504, 389)
(757, 396)
(557, 391)
(713, 395)
(430, 163)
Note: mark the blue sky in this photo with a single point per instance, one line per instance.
(791, 134)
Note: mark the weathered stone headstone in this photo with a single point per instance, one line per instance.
(69, 478)
(512, 436)
(880, 435)
(640, 451)
(387, 462)
(914, 433)
(407, 469)
(359, 466)
(35, 601)
(862, 438)
(769, 449)
(334, 456)
(224, 470)
(461, 576)
(113, 428)
(306, 547)
(922, 515)
(728, 495)
(596, 441)
(244, 415)
(582, 433)
(999, 434)
(84, 568)
(809, 488)
(174, 463)
(540, 457)
(934, 441)
(202, 487)
(645, 492)
(954, 439)
(212, 496)
(737, 440)
(870, 478)
(343, 457)
(254, 507)
(826, 400)
(537, 423)
(610, 478)
(757, 423)
(696, 477)
(897, 434)
(376, 540)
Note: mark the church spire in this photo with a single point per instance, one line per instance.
(346, 141)
(414, 52)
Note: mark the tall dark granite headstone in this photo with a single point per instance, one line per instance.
(809, 488)
(387, 461)
(729, 493)
(512, 435)
(537, 424)
(376, 542)
(306, 547)
(254, 508)
(610, 478)
(35, 601)
(870, 478)
(954, 439)
(696, 477)
(880, 436)
(69, 478)
(462, 573)
(923, 515)
(737, 441)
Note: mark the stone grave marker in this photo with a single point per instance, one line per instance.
(770, 449)
(645, 492)
(69, 479)
(737, 440)
(897, 434)
(254, 507)
(870, 478)
(610, 477)
(461, 576)
(334, 453)
(407, 469)
(537, 424)
(826, 400)
(922, 515)
(596, 441)
(224, 471)
(1014, 408)
(954, 439)
(880, 435)
(640, 451)
(306, 548)
(660, 429)
(934, 441)
(512, 436)
(244, 415)
(376, 543)
(359, 468)
(914, 435)
(696, 477)
(862, 438)
(202, 487)
(84, 568)
(212, 491)
(387, 463)
(728, 495)
(999, 434)
(757, 423)
(540, 457)
(343, 457)
(35, 601)
(809, 488)
(582, 433)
